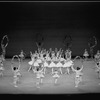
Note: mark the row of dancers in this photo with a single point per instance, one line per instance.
(51, 58)
(40, 73)
(43, 57)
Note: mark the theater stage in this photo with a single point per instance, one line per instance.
(65, 85)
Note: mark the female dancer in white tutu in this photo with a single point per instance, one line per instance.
(46, 60)
(22, 55)
(59, 65)
(68, 64)
(31, 63)
(86, 55)
(34, 57)
(52, 64)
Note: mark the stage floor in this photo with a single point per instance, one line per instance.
(65, 85)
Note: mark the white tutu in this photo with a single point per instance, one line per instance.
(59, 64)
(30, 62)
(39, 60)
(86, 54)
(52, 64)
(56, 76)
(21, 55)
(36, 64)
(45, 64)
(39, 75)
(68, 64)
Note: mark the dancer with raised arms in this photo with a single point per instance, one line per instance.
(16, 69)
(78, 72)
(4, 44)
(39, 75)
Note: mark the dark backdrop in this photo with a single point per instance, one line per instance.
(21, 21)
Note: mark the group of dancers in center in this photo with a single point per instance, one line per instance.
(43, 59)
(56, 60)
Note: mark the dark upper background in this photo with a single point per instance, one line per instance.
(22, 20)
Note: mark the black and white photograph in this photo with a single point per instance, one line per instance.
(49, 47)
